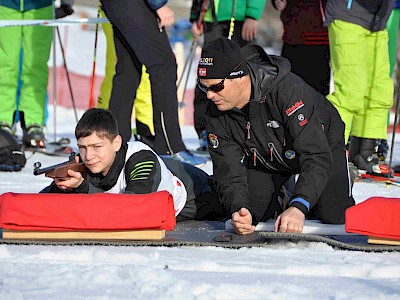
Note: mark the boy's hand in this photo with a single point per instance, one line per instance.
(242, 220)
(291, 220)
(74, 180)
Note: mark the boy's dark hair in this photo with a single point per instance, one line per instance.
(99, 121)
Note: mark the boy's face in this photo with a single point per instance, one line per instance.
(98, 153)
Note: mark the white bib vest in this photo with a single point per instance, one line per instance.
(169, 182)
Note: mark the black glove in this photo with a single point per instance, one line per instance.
(63, 11)
(12, 161)
(10, 168)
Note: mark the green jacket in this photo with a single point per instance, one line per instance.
(223, 10)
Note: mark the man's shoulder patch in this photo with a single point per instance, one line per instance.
(213, 139)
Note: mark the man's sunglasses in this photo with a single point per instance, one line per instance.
(214, 88)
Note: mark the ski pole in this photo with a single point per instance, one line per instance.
(54, 80)
(188, 74)
(396, 116)
(232, 24)
(67, 72)
(192, 48)
(91, 96)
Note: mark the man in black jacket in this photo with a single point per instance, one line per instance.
(266, 124)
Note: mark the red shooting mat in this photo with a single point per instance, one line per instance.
(376, 216)
(65, 212)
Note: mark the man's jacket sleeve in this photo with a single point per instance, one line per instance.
(156, 4)
(296, 102)
(255, 9)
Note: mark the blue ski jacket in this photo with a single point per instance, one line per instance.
(24, 5)
(156, 4)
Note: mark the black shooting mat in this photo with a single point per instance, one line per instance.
(212, 233)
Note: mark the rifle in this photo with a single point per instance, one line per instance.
(60, 170)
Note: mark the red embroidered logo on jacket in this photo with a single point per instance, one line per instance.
(291, 110)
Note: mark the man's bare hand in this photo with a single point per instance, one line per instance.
(166, 16)
(291, 220)
(249, 29)
(280, 4)
(74, 180)
(242, 220)
(196, 31)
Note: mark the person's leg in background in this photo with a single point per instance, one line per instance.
(316, 74)
(36, 44)
(143, 105)
(138, 27)
(371, 122)
(348, 44)
(10, 45)
(144, 110)
(111, 59)
(393, 29)
(125, 83)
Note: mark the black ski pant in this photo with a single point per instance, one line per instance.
(265, 187)
(202, 200)
(138, 41)
(212, 31)
(310, 62)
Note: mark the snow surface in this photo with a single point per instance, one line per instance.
(283, 271)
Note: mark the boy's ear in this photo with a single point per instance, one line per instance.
(117, 143)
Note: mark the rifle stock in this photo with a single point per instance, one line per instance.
(60, 170)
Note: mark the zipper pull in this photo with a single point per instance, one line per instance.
(248, 130)
(271, 150)
(254, 157)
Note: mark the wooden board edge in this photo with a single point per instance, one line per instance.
(382, 241)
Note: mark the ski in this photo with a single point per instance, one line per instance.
(375, 178)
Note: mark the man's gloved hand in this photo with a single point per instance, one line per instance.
(63, 11)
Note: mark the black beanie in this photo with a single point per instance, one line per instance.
(221, 58)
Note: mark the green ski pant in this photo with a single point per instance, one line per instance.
(35, 42)
(143, 100)
(363, 89)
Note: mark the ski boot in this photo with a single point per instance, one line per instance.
(187, 157)
(6, 127)
(381, 170)
(34, 137)
(363, 153)
(382, 150)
